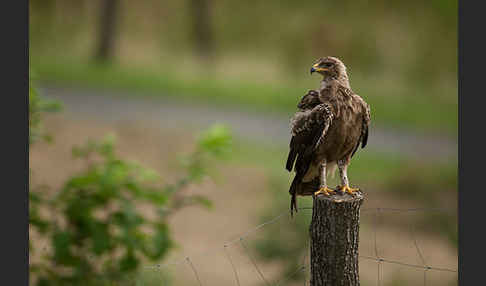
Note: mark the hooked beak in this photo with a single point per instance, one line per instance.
(316, 68)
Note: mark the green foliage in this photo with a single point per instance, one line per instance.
(37, 106)
(214, 142)
(111, 217)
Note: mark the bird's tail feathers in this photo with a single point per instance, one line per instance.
(293, 205)
(291, 159)
(293, 194)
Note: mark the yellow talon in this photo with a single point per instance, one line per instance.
(348, 189)
(326, 191)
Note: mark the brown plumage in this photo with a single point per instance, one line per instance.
(309, 100)
(326, 131)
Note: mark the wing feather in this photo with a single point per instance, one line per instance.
(308, 132)
(309, 100)
(365, 123)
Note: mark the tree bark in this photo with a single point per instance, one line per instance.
(106, 36)
(201, 27)
(334, 235)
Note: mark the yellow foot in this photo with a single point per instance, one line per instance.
(348, 189)
(326, 191)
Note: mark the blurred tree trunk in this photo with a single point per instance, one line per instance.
(106, 30)
(201, 26)
(42, 22)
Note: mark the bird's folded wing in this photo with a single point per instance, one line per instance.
(308, 131)
(366, 125)
(309, 100)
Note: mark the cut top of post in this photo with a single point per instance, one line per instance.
(339, 197)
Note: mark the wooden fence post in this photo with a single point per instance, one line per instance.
(334, 239)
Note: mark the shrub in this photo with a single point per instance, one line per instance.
(112, 216)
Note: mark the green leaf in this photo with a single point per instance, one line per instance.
(101, 238)
(100, 213)
(129, 261)
(216, 140)
(107, 145)
(155, 196)
(160, 243)
(61, 242)
(202, 201)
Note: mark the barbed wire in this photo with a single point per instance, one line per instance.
(253, 261)
(376, 212)
(287, 278)
(380, 260)
(194, 270)
(407, 264)
(375, 231)
(232, 265)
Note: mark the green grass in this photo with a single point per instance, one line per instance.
(392, 104)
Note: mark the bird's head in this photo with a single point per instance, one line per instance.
(329, 67)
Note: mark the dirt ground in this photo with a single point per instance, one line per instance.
(238, 198)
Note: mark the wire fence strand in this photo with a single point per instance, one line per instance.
(253, 261)
(377, 213)
(194, 270)
(232, 265)
(304, 260)
(425, 277)
(378, 276)
(287, 278)
(422, 259)
(412, 232)
(407, 264)
(375, 231)
(209, 250)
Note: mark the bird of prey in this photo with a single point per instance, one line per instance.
(328, 128)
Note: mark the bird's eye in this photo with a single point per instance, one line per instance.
(327, 65)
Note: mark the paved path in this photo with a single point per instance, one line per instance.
(257, 127)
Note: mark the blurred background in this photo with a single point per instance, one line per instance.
(200, 92)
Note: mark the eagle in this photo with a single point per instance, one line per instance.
(328, 128)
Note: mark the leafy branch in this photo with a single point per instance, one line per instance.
(113, 215)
